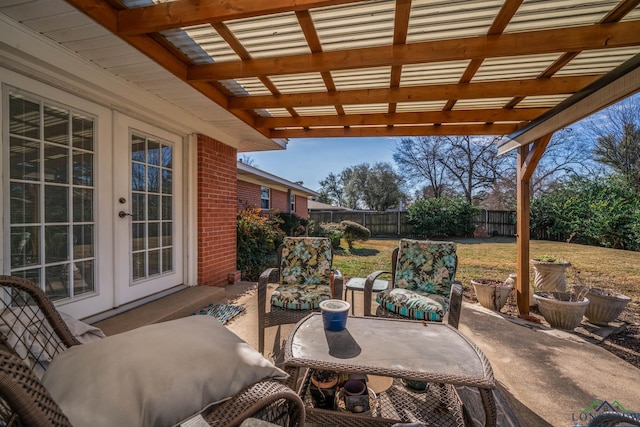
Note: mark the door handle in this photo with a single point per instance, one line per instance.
(123, 214)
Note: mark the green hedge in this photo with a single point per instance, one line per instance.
(442, 217)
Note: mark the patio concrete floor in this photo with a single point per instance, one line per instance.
(545, 376)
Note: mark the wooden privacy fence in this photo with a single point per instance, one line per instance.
(496, 223)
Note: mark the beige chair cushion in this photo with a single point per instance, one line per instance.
(157, 375)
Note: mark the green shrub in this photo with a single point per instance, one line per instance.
(355, 232)
(257, 238)
(331, 230)
(600, 212)
(291, 224)
(442, 217)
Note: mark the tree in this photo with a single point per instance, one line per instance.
(362, 186)
(419, 160)
(332, 190)
(617, 145)
(247, 160)
(469, 164)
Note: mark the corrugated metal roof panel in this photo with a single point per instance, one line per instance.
(363, 78)
(297, 83)
(511, 68)
(544, 14)
(597, 61)
(270, 36)
(404, 107)
(430, 74)
(355, 25)
(473, 104)
(366, 108)
(542, 101)
(327, 110)
(443, 19)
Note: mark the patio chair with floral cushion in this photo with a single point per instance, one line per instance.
(156, 375)
(305, 278)
(423, 285)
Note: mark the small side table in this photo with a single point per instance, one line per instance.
(357, 284)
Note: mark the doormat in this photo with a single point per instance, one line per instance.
(223, 312)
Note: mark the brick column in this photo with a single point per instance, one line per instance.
(217, 209)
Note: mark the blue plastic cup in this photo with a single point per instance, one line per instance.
(334, 314)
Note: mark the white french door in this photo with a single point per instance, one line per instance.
(148, 209)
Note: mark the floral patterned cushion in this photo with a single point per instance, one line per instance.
(305, 273)
(426, 267)
(300, 297)
(414, 305)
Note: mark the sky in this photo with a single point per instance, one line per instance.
(311, 160)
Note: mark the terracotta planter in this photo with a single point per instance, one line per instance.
(604, 307)
(491, 293)
(558, 313)
(550, 276)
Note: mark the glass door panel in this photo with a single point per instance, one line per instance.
(51, 178)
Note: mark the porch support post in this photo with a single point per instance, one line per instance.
(528, 158)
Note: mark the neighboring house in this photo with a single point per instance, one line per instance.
(317, 206)
(260, 189)
(119, 181)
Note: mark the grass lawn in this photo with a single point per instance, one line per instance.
(496, 258)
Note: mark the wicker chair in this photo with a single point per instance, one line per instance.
(436, 283)
(24, 400)
(614, 419)
(305, 279)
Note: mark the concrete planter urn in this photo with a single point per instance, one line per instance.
(604, 306)
(491, 293)
(549, 274)
(562, 310)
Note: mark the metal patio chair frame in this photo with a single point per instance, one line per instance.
(270, 315)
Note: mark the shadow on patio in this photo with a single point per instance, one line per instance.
(545, 376)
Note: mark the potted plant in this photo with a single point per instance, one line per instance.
(604, 305)
(492, 293)
(563, 310)
(323, 388)
(549, 273)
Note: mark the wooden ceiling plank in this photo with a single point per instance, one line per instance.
(400, 30)
(464, 116)
(232, 41)
(186, 13)
(508, 9)
(553, 86)
(599, 36)
(311, 35)
(472, 129)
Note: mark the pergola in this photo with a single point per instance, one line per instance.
(361, 68)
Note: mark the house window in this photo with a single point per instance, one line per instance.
(51, 195)
(292, 203)
(265, 198)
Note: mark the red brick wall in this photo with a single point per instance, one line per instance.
(279, 201)
(302, 207)
(217, 204)
(249, 195)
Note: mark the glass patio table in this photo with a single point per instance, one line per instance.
(401, 349)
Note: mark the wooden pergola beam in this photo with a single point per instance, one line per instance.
(381, 131)
(186, 13)
(493, 89)
(528, 158)
(589, 37)
(455, 116)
